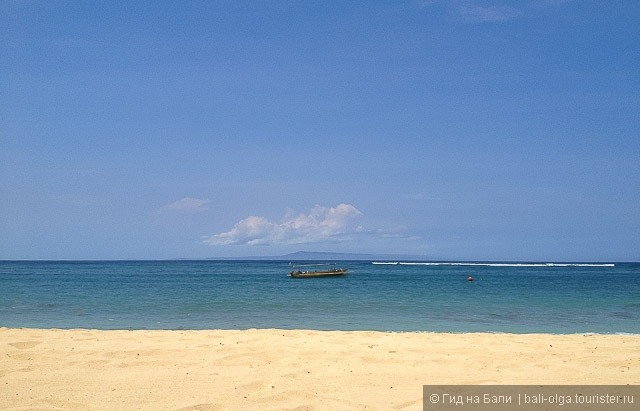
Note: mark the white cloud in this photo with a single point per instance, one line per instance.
(320, 224)
(488, 14)
(187, 205)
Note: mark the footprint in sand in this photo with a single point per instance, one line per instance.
(25, 345)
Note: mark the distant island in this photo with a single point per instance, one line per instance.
(328, 256)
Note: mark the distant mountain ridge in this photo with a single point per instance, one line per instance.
(329, 256)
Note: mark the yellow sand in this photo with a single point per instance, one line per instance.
(288, 370)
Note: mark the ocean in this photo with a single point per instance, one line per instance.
(382, 295)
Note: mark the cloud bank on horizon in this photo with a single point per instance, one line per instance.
(321, 224)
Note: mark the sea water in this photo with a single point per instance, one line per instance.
(384, 296)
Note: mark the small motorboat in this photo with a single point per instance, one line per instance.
(299, 272)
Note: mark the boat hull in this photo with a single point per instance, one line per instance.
(313, 274)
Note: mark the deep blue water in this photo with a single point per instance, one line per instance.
(259, 294)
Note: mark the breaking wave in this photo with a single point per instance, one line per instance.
(496, 264)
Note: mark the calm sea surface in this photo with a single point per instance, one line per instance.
(520, 298)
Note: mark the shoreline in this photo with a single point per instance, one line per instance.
(586, 333)
(289, 369)
(419, 332)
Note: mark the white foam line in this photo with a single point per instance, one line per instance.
(494, 264)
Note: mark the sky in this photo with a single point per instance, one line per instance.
(453, 130)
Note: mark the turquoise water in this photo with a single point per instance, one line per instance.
(520, 298)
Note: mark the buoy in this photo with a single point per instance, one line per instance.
(469, 278)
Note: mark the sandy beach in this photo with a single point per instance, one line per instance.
(288, 370)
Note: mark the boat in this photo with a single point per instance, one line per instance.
(331, 271)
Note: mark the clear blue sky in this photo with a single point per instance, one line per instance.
(500, 130)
